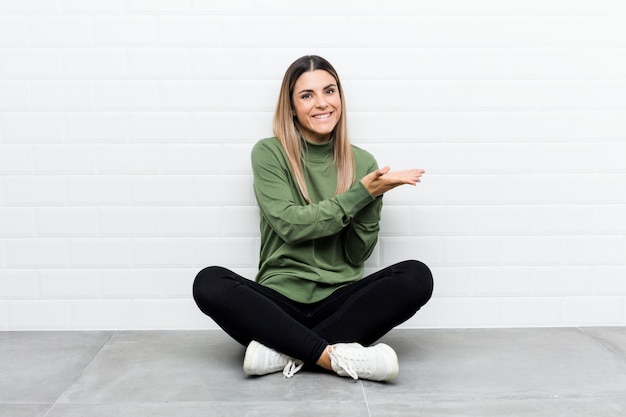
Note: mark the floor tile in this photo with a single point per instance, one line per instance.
(499, 363)
(566, 372)
(604, 407)
(36, 367)
(23, 410)
(192, 366)
(228, 408)
(612, 338)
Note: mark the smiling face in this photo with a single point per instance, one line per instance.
(316, 105)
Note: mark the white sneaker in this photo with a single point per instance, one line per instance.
(261, 360)
(376, 363)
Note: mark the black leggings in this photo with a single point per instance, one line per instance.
(362, 311)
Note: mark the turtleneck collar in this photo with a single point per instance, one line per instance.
(318, 151)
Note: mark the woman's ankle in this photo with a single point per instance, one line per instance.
(324, 359)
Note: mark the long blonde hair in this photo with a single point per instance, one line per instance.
(287, 129)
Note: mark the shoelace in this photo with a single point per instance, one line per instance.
(343, 362)
(292, 367)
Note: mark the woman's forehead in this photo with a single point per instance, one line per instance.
(313, 80)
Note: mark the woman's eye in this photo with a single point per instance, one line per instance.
(305, 96)
(330, 91)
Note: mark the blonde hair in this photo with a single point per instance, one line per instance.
(287, 128)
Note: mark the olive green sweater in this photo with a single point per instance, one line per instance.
(310, 250)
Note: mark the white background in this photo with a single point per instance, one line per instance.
(126, 127)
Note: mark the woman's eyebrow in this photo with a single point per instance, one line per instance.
(308, 90)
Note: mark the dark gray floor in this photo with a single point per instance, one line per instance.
(487, 372)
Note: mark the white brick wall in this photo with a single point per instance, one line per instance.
(126, 127)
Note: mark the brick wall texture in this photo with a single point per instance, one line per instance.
(126, 128)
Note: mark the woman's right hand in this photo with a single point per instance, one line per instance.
(382, 180)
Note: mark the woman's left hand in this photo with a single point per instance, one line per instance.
(383, 180)
(408, 176)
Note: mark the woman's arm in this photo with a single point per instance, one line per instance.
(285, 210)
(362, 235)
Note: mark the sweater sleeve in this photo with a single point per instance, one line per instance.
(361, 236)
(282, 206)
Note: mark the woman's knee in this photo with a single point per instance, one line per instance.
(420, 279)
(207, 285)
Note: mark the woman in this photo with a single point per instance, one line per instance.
(320, 200)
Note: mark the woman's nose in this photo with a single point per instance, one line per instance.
(321, 103)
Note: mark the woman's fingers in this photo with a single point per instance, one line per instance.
(409, 176)
(382, 180)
